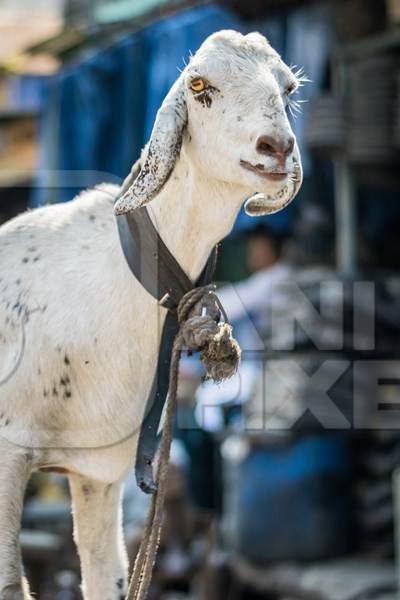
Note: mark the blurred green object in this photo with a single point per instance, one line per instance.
(108, 11)
(231, 264)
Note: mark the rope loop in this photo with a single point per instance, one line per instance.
(191, 298)
(220, 354)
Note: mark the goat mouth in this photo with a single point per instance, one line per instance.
(262, 171)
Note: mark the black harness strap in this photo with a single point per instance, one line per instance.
(160, 274)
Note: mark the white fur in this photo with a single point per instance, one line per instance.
(79, 335)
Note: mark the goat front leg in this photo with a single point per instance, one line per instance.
(97, 512)
(15, 471)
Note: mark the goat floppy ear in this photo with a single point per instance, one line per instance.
(161, 152)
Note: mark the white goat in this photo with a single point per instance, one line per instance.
(79, 334)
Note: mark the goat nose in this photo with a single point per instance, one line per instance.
(271, 146)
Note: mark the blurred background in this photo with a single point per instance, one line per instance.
(284, 482)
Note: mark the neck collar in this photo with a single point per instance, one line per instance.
(152, 263)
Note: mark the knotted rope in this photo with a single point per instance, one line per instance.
(220, 354)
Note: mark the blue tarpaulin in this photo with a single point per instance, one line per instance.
(98, 114)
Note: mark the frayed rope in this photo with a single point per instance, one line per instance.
(220, 355)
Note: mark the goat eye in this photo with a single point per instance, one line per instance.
(198, 85)
(290, 89)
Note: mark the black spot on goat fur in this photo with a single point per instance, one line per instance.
(18, 307)
(25, 260)
(92, 218)
(66, 360)
(206, 97)
(67, 394)
(87, 489)
(65, 380)
(29, 454)
(37, 258)
(120, 583)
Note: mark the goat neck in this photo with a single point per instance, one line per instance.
(193, 212)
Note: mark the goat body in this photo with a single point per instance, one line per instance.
(79, 335)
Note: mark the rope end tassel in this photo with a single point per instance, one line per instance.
(221, 356)
(199, 313)
(204, 332)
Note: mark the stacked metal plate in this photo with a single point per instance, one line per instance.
(357, 19)
(370, 138)
(397, 114)
(326, 126)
